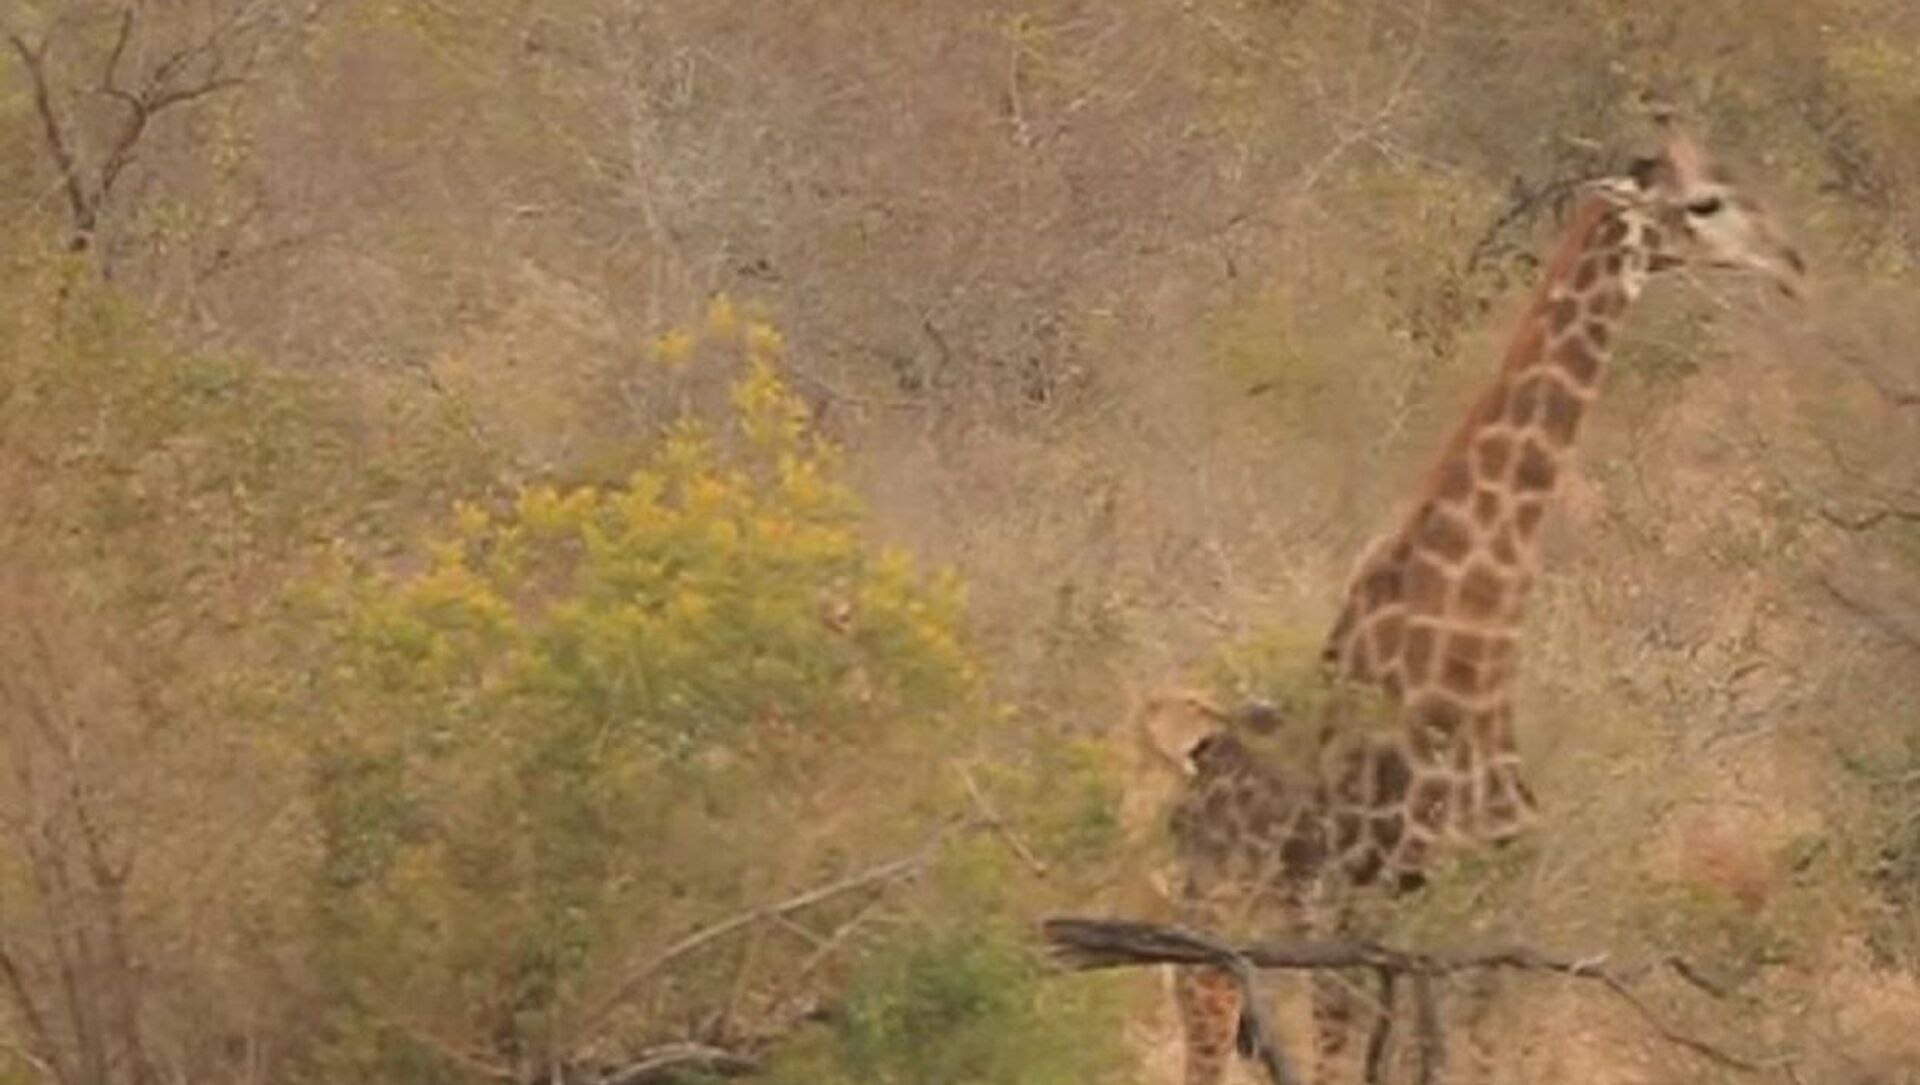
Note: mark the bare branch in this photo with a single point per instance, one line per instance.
(1366, 129)
(879, 874)
(47, 1058)
(120, 37)
(1869, 519)
(215, 61)
(991, 818)
(840, 936)
(1090, 944)
(668, 1061)
(80, 206)
(1894, 626)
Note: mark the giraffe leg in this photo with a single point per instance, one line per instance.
(1350, 1030)
(1335, 1012)
(1380, 1036)
(1443, 1015)
(1429, 1055)
(1478, 998)
(1209, 1002)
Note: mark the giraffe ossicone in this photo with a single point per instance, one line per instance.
(1431, 621)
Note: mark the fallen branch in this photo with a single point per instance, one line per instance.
(668, 1061)
(1091, 944)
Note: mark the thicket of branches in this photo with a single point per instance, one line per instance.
(451, 635)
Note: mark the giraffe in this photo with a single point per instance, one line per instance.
(1429, 629)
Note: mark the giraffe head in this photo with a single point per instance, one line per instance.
(1702, 218)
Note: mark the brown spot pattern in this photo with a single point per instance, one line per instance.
(1486, 507)
(1536, 469)
(1456, 479)
(1526, 516)
(1583, 276)
(1521, 403)
(1561, 315)
(1419, 652)
(1386, 636)
(1446, 536)
(1494, 449)
(1579, 359)
(1426, 587)
(1480, 593)
(1560, 415)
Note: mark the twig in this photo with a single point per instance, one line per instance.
(1868, 520)
(1367, 129)
(988, 817)
(838, 937)
(36, 1026)
(1686, 971)
(1089, 944)
(892, 870)
(668, 1061)
(1877, 616)
(33, 58)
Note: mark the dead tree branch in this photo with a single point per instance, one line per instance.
(1083, 944)
(79, 991)
(880, 874)
(91, 164)
(59, 148)
(668, 1061)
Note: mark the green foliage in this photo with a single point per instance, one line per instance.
(601, 715)
(963, 1005)
(511, 768)
(1259, 346)
(162, 478)
(1282, 667)
(1275, 664)
(1465, 892)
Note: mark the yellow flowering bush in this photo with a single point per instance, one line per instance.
(597, 717)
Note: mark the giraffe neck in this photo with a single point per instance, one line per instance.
(1511, 447)
(1434, 610)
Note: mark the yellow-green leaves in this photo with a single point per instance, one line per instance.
(594, 715)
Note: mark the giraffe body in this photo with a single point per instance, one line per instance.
(1430, 628)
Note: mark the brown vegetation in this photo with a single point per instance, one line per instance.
(1140, 316)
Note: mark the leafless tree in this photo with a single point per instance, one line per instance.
(75, 990)
(102, 75)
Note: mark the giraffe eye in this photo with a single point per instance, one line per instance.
(1710, 205)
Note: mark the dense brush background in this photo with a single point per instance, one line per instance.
(397, 688)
